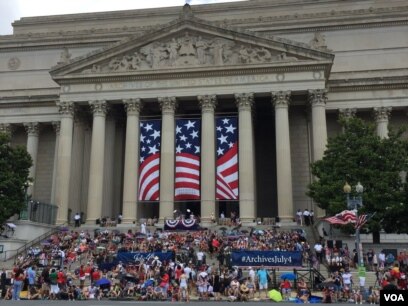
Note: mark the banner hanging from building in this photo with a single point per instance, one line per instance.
(188, 155)
(266, 258)
(227, 158)
(131, 257)
(149, 163)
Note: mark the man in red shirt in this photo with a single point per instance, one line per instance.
(96, 275)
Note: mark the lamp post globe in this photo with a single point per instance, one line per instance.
(347, 188)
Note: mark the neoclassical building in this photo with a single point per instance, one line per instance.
(77, 90)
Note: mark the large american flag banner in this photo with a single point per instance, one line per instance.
(149, 169)
(187, 174)
(227, 158)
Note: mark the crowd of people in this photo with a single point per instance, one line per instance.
(80, 264)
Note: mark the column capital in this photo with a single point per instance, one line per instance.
(133, 106)
(317, 97)
(57, 126)
(66, 108)
(281, 98)
(244, 101)
(6, 128)
(347, 113)
(32, 128)
(99, 107)
(168, 104)
(382, 113)
(207, 103)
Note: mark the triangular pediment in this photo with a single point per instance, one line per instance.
(190, 43)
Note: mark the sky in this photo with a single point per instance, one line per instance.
(11, 10)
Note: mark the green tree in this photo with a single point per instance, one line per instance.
(14, 170)
(359, 155)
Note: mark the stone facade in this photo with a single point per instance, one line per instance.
(288, 71)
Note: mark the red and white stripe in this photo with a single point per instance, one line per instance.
(227, 175)
(149, 179)
(187, 182)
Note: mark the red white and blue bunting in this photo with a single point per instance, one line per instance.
(183, 224)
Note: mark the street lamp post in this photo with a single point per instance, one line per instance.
(355, 203)
(24, 212)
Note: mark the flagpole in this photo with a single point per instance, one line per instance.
(354, 204)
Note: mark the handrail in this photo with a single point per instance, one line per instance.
(29, 244)
(309, 274)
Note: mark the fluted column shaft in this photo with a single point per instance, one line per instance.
(66, 110)
(57, 127)
(208, 176)
(382, 115)
(280, 101)
(32, 129)
(247, 210)
(96, 171)
(318, 100)
(167, 155)
(131, 175)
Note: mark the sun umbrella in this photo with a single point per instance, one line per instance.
(244, 231)
(288, 276)
(275, 295)
(103, 281)
(223, 228)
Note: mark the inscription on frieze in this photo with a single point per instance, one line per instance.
(190, 50)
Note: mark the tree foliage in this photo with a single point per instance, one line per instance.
(359, 155)
(14, 170)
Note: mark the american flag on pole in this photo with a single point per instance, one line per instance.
(345, 217)
(227, 158)
(361, 220)
(149, 169)
(187, 174)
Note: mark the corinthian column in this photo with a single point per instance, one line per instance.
(95, 191)
(5, 128)
(318, 99)
(208, 104)
(382, 115)
(57, 127)
(280, 101)
(32, 129)
(247, 212)
(131, 176)
(66, 110)
(168, 106)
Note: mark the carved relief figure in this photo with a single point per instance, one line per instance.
(65, 56)
(201, 46)
(319, 42)
(187, 46)
(172, 48)
(187, 51)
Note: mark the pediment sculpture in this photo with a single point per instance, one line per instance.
(188, 51)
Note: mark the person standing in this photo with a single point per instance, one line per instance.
(3, 280)
(319, 251)
(262, 281)
(77, 219)
(306, 217)
(143, 228)
(311, 215)
(299, 217)
(18, 282)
